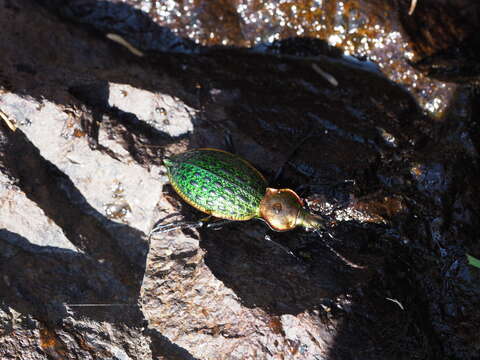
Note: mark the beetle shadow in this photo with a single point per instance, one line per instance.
(289, 274)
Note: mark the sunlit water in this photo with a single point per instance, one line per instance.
(356, 27)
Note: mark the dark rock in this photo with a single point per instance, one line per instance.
(444, 36)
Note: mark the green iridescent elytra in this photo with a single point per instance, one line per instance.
(217, 182)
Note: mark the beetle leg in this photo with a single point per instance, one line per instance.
(163, 228)
(289, 157)
(217, 225)
(230, 146)
(284, 248)
(340, 256)
(160, 228)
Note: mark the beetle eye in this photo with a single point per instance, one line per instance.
(277, 208)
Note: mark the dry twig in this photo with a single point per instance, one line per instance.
(7, 121)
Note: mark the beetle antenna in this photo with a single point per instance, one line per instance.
(288, 251)
(340, 256)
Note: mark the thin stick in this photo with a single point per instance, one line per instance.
(99, 305)
(120, 40)
(9, 122)
(413, 5)
(327, 76)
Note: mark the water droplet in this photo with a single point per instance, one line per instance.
(161, 110)
(117, 210)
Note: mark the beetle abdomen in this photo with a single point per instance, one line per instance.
(217, 182)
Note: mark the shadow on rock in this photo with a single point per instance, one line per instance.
(52, 283)
(291, 274)
(117, 256)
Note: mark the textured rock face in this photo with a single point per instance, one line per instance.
(82, 183)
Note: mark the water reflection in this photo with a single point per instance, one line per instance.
(364, 29)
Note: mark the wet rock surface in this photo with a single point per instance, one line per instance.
(82, 183)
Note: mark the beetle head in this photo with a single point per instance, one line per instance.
(282, 209)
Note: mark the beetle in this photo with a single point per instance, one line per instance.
(226, 186)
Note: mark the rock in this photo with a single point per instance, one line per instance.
(82, 184)
(444, 37)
